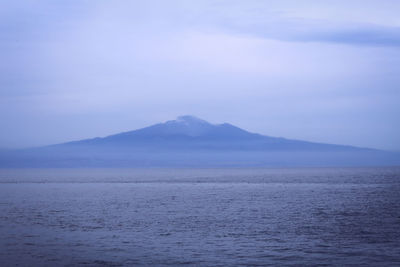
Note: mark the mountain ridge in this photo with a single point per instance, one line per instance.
(194, 128)
(192, 142)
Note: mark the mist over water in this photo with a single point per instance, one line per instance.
(207, 217)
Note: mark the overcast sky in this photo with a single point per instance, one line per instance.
(326, 71)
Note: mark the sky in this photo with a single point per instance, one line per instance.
(325, 71)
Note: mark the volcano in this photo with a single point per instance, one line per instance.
(192, 142)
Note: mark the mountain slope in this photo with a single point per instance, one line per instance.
(188, 132)
(189, 141)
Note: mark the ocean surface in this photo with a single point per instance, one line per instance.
(200, 217)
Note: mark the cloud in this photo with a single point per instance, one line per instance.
(307, 30)
(285, 20)
(363, 36)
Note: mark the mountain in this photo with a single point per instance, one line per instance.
(189, 132)
(190, 141)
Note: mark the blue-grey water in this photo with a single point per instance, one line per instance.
(200, 217)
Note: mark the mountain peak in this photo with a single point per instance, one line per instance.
(187, 125)
(188, 119)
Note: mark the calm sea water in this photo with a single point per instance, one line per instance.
(200, 217)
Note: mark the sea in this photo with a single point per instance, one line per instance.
(200, 217)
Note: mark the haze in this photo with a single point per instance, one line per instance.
(323, 71)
